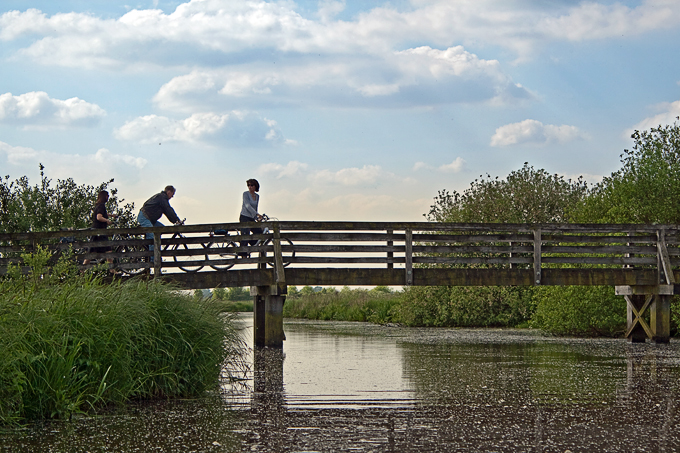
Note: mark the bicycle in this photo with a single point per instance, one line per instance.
(224, 249)
(132, 254)
(285, 243)
(184, 253)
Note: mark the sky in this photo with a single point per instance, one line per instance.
(342, 110)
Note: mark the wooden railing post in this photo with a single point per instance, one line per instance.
(537, 256)
(157, 257)
(278, 256)
(390, 254)
(409, 256)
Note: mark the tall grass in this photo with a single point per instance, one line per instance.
(375, 305)
(71, 343)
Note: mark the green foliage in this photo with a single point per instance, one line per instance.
(579, 310)
(647, 187)
(46, 208)
(525, 196)
(232, 294)
(72, 344)
(346, 305)
(465, 306)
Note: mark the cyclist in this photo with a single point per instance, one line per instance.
(100, 220)
(249, 211)
(154, 208)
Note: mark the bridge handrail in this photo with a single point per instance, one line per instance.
(534, 247)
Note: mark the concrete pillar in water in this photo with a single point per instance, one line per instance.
(268, 315)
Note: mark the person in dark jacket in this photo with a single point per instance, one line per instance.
(100, 220)
(154, 208)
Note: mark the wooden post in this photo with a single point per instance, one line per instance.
(278, 256)
(409, 257)
(157, 257)
(258, 317)
(510, 256)
(390, 254)
(660, 319)
(268, 315)
(537, 256)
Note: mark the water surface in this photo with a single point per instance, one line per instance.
(358, 387)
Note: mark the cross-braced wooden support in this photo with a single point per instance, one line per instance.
(656, 299)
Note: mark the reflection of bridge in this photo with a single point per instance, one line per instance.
(637, 259)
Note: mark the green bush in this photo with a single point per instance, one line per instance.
(376, 305)
(466, 306)
(579, 310)
(72, 344)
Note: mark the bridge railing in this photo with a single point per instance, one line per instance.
(388, 245)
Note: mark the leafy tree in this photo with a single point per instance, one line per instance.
(525, 196)
(219, 294)
(647, 187)
(46, 208)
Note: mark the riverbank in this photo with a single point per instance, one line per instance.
(570, 311)
(72, 344)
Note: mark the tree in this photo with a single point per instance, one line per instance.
(647, 187)
(42, 207)
(525, 196)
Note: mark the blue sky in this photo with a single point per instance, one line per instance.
(343, 110)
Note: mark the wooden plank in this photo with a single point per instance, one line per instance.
(591, 249)
(537, 256)
(664, 258)
(409, 257)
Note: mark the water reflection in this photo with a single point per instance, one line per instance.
(357, 387)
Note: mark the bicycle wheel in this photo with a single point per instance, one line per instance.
(129, 264)
(184, 254)
(287, 254)
(221, 251)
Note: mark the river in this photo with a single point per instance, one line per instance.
(358, 387)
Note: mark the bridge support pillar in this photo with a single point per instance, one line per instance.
(268, 315)
(638, 300)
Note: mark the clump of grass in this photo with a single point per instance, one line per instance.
(376, 305)
(73, 344)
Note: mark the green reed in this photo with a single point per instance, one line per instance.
(376, 305)
(72, 343)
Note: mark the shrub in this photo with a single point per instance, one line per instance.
(579, 310)
(466, 306)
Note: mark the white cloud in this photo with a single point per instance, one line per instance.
(669, 115)
(37, 110)
(292, 168)
(309, 204)
(19, 160)
(591, 20)
(198, 30)
(413, 77)
(534, 132)
(103, 156)
(368, 174)
(454, 167)
(236, 127)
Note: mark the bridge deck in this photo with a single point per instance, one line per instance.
(638, 259)
(380, 253)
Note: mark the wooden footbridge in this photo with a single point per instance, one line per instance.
(639, 260)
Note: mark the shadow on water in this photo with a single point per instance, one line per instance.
(359, 387)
